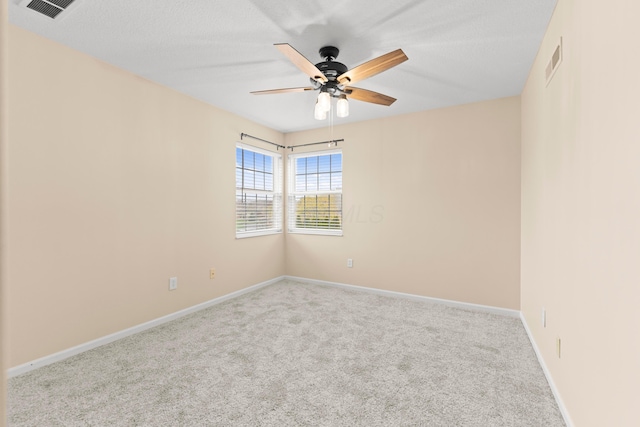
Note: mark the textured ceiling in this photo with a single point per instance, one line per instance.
(460, 51)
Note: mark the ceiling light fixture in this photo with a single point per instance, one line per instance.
(334, 79)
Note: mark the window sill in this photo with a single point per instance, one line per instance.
(248, 234)
(337, 233)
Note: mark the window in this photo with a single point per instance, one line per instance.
(258, 192)
(315, 193)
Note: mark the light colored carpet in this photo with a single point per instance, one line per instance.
(295, 354)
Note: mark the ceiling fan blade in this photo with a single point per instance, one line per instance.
(286, 90)
(373, 67)
(301, 62)
(369, 96)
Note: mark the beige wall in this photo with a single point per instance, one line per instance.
(3, 192)
(581, 209)
(115, 185)
(431, 205)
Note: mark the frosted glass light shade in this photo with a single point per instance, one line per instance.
(342, 107)
(319, 113)
(324, 101)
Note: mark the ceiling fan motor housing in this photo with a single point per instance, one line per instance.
(331, 70)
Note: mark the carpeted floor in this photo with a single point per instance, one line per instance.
(294, 354)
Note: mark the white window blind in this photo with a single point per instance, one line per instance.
(315, 193)
(258, 191)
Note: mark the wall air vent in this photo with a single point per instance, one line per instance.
(554, 62)
(50, 8)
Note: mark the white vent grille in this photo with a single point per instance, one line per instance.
(554, 62)
(49, 8)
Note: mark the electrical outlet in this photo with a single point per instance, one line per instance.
(559, 347)
(173, 283)
(544, 317)
(350, 263)
(212, 273)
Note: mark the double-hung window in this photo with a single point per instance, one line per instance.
(258, 192)
(315, 193)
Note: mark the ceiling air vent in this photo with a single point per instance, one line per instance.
(554, 62)
(50, 8)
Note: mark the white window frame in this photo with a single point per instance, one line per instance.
(277, 206)
(291, 195)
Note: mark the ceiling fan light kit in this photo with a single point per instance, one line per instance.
(333, 79)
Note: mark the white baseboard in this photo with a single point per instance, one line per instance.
(64, 354)
(554, 389)
(450, 303)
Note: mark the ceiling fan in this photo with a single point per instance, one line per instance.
(334, 79)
